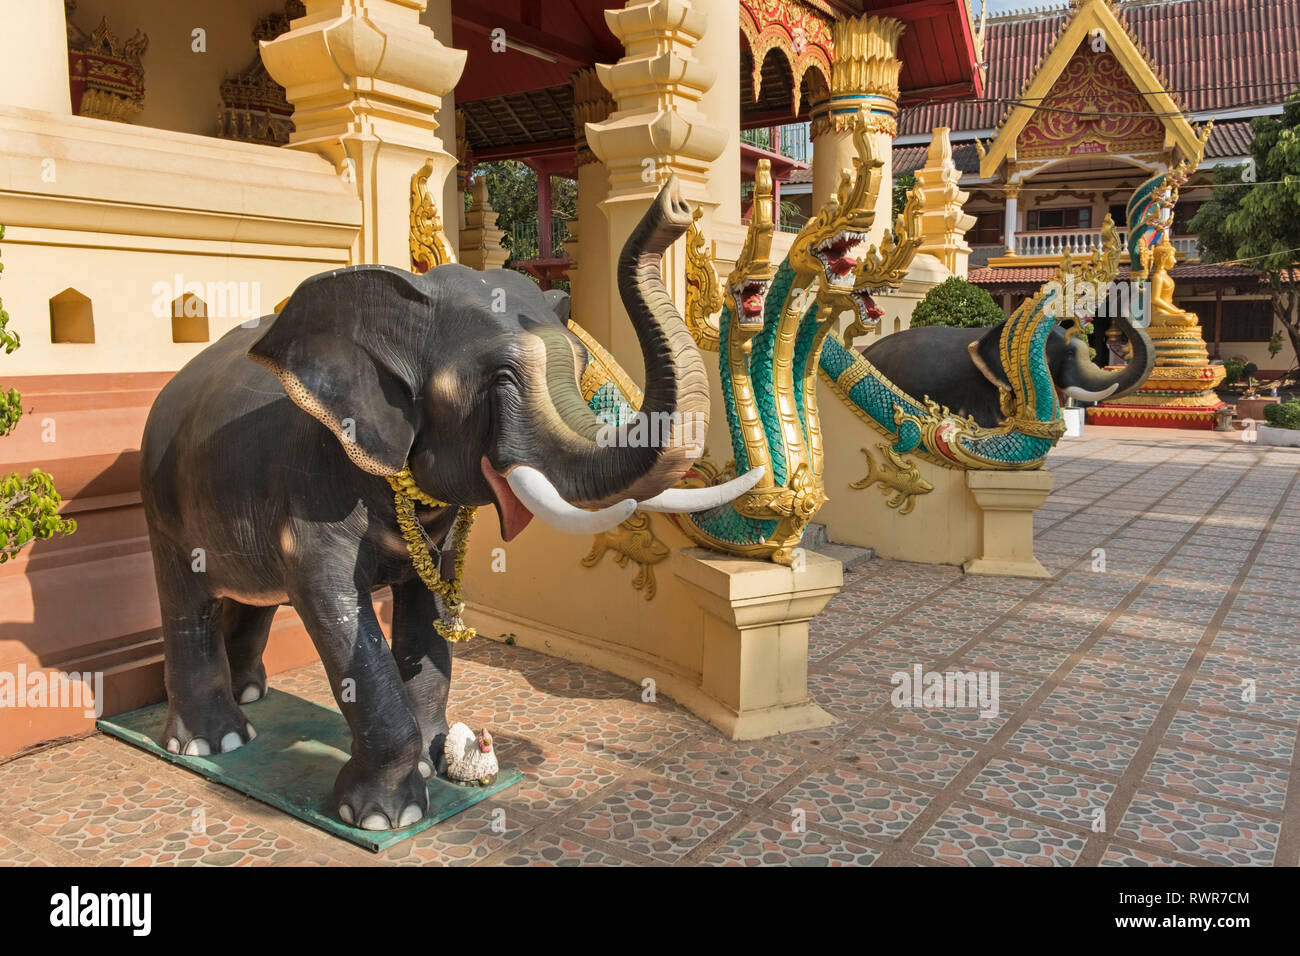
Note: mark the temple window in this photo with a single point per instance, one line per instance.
(1078, 217)
(987, 230)
(72, 318)
(189, 315)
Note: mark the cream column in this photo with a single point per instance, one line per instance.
(1012, 212)
(864, 78)
(657, 130)
(590, 277)
(367, 80)
(34, 57)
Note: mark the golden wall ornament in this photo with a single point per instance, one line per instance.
(703, 291)
(896, 475)
(105, 74)
(634, 540)
(429, 244)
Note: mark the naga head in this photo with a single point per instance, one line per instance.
(832, 246)
(746, 287)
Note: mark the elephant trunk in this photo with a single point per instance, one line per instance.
(1084, 381)
(596, 464)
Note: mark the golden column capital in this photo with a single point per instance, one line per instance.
(864, 76)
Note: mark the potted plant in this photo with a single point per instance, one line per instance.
(1252, 405)
(1283, 426)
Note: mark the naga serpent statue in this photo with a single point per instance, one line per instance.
(772, 340)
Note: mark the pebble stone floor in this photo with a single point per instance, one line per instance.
(1122, 739)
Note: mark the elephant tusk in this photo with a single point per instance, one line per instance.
(540, 497)
(686, 500)
(1083, 395)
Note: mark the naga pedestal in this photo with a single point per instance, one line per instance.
(1180, 392)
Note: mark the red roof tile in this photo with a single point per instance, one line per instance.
(1217, 55)
(1037, 275)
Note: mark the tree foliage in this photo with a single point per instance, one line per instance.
(958, 303)
(1254, 215)
(512, 193)
(29, 506)
(902, 183)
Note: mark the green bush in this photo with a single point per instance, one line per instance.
(29, 505)
(1284, 414)
(1234, 370)
(958, 303)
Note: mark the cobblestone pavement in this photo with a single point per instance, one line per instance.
(1126, 733)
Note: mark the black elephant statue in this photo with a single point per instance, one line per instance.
(270, 461)
(961, 367)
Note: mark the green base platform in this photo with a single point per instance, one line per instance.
(291, 765)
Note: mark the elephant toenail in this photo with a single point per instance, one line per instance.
(425, 770)
(232, 741)
(248, 729)
(198, 747)
(345, 814)
(376, 821)
(411, 814)
(250, 694)
(173, 745)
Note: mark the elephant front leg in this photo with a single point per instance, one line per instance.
(424, 663)
(202, 716)
(381, 786)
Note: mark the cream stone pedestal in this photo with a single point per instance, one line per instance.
(1007, 501)
(755, 614)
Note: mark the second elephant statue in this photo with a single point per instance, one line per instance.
(960, 368)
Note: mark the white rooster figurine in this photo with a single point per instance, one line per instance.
(470, 759)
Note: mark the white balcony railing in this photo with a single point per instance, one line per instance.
(1057, 242)
(1187, 247)
(1077, 242)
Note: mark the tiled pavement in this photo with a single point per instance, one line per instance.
(1123, 738)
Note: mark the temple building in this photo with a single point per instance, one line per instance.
(1075, 116)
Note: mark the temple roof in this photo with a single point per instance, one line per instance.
(1216, 55)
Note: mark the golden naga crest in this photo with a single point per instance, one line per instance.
(703, 295)
(429, 244)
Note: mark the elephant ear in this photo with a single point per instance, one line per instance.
(343, 348)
